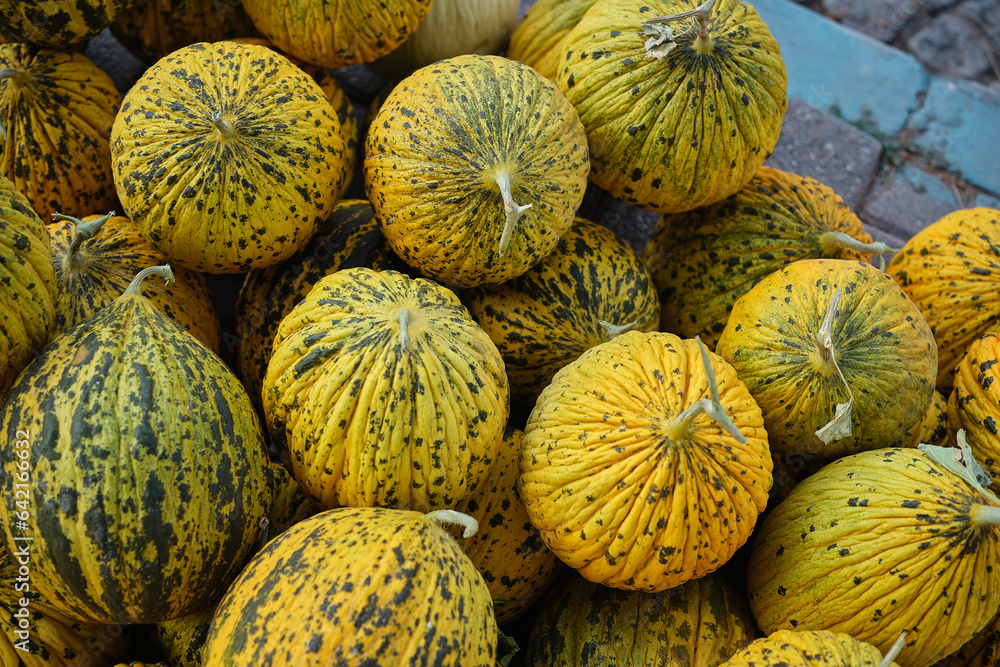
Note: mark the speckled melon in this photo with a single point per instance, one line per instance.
(788, 648)
(951, 270)
(699, 624)
(538, 39)
(151, 29)
(836, 355)
(57, 23)
(983, 650)
(507, 550)
(338, 99)
(932, 429)
(704, 260)
(227, 156)
(182, 639)
(475, 167)
(146, 468)
(974, 403)
(349, 238)
(57, 109)
(357, 586)
(383, 391)
(28, 287)
(880, 542)
(95, 260)
(588, 290)
(645, 463)
(678, 115)
(36, 635)
(337, 33)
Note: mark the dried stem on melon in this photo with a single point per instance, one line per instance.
(468, 524)
(660, 36)
(840, 426)
(512, 210)
(713, 407)
(830, 240)
(83, 230)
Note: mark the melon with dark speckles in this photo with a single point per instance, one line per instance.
(876, 543)
(974, 404)
(880, 359)
(57, 23)
(349, 238)
(672, 130)
(538, 39)
(787, 648)
(151, 29)
(589, 289)
(383, 391)
(145, 465)
(951, 270)
(57, 108)
(227, 156)
(698, 624)
(625, 475)
(704, 260)
(357, 586)
(475, 167)
(507, 550)
(94, 268)
(28, 286)
(983, 650)
(337, 33)
(51, 638)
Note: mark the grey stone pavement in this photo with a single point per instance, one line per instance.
(904, 140)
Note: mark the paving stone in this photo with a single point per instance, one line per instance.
(818, 145)
(985, 17)
(987, 201)
(937, 5)
(928, 183)
(118, 62)
(832, 65)
(950, 44)
(960, 121)
(897, 208)
(879, 19)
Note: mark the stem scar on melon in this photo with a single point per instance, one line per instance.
(840, 426)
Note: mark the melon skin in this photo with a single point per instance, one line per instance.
(145, 465)
(357, 586)
(686, 130)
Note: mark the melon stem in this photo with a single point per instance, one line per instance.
(19, 77)
(702, 14)
(469, 525)
(402, 317)
(512, 210)
(983, 515)
(82, 231)
(225, 127)
(894, 650)
(711, 406)
(611, 330)
(840, 426)
(831, 240)
(135, 286)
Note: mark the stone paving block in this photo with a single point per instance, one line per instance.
(879, 19)
(830, 64)
(820, 146)
(950, 44)
(928, 183)
(960, 121)
(117, 62)
(987, 201)
(898, 209)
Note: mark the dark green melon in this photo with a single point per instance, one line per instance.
(145, 466)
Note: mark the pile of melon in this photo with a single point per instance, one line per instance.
(290, 378)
